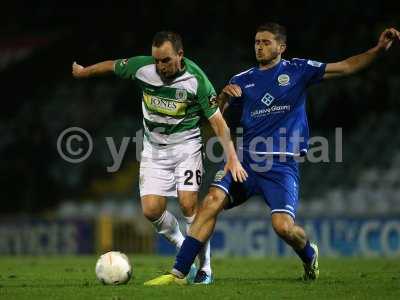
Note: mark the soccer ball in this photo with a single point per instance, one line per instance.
(113, 268)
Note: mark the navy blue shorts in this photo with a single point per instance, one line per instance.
(275, 180)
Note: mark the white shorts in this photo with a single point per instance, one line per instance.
(163, 172)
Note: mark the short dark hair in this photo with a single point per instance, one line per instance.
(278, 30)
(168, 36)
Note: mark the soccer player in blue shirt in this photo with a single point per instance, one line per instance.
(271, 99)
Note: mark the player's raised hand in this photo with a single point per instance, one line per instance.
(232, 90)
(77, 70)
(235, 167)
(387, 37)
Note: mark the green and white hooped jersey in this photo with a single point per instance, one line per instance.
(172, 111)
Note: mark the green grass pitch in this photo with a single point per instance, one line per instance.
(60, 277)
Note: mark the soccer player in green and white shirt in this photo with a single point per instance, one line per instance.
(176, 94)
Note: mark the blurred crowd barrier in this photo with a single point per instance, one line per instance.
(243, 231)
(51, 236)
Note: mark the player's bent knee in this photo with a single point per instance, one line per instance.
(153, 213)
(282, 223)
(282, 231)
(283, 228)
(188, 208)
(213, 203)
(188, 202)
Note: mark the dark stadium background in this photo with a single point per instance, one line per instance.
(39, 98)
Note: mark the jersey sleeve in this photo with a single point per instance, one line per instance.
(233, 112)
(126, 68)
(207, 97)
(313, 71)
(235, 80)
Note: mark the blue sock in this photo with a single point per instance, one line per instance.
(306, 254)
(187, 254)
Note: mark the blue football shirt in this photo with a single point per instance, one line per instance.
(272, 106)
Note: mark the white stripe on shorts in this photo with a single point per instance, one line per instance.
(285, 211)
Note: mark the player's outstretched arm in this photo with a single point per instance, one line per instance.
(222, 131)
(361, 61)
(98, 69)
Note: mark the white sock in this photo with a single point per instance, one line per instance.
(188, 222)
(204, 254)
(167, 226)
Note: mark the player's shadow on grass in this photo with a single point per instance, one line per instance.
(55, 285)
(259, 280)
